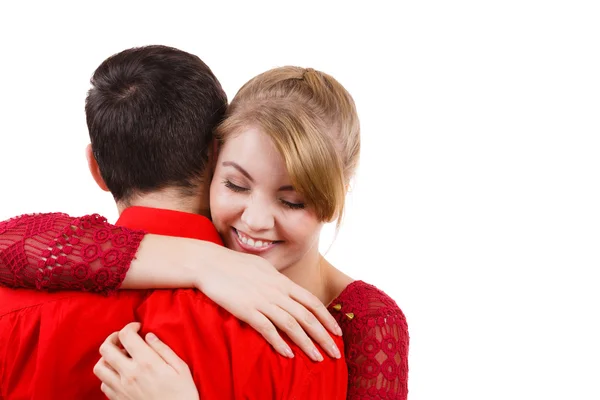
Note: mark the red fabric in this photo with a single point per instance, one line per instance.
(56, 251)
(376, 338)
(49, 341)
(375, 341)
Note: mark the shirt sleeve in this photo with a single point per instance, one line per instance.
(55, 251)
(377, 355)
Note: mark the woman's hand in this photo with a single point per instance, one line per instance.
(145, 370)
(247, 286)
(251, 289)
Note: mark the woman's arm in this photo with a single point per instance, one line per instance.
(376, 343)
(246, 285)
(377, 357)
(55, 251)
(58, 252)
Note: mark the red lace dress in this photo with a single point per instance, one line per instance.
(55, 251)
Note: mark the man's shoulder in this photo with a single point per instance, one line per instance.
(325, 380)
(277, 377)
(220, 350)
(192, 304)
(15, 300)
(20, 300)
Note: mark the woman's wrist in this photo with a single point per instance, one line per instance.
(168, 262)
(199, 260)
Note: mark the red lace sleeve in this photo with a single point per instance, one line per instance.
(376, 343)
(56, 251)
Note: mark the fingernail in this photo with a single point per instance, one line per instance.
(135, 326)
(335, 351)
(289, 352)
(151, 337)
(338, 330)
(317, 355)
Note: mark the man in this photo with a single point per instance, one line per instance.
(150, 115)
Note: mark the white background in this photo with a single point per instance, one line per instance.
(477, 205)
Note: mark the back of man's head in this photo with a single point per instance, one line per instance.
(150, 113)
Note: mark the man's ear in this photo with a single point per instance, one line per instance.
(93, 166)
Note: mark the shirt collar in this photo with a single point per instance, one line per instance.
(160, 221)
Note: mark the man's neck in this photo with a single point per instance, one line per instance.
(167, 199)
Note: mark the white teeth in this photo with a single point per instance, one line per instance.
(257, 244)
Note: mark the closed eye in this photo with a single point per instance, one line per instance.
(233, 187)
(293, 206)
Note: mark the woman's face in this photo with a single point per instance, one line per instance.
(254, 206)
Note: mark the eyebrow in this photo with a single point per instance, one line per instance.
(237, 166)
(286, 188)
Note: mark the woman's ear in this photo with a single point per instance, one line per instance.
(94, 169)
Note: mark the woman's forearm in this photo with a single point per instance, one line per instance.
(164, 262)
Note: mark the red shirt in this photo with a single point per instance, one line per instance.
(49, 341)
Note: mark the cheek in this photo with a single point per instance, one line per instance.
(302, 228)
(224, 205)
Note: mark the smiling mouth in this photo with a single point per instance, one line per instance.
(253, 244)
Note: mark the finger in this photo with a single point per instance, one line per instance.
(288, 324)
(314, 305)
(109, 392)
(113, 356)
(166, 353)
(137, 348)
(106, 374)
(311, 326)
(268, 331)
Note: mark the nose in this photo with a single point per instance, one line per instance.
(258, 215)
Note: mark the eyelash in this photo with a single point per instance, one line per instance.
(233, 187)
(238, 189)
(293, 206)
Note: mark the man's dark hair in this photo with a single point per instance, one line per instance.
(150, 113)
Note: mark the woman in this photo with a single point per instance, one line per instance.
(287, 151)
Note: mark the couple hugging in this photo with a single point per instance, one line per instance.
(221, 207)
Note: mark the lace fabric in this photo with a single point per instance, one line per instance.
(54, 251)
(376, 342)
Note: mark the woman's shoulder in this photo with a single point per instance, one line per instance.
(366, 305)
(376, 341)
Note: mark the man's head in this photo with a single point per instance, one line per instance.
(150, 113)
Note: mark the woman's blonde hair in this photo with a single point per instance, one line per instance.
(312, 121)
